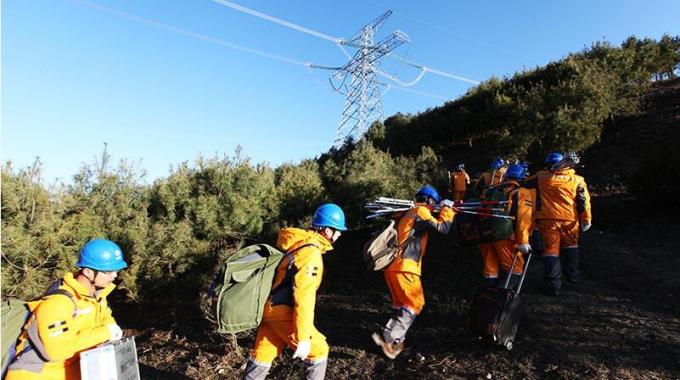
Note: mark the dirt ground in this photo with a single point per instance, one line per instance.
(621, 322)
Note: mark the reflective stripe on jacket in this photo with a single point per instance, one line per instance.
(460, 180)
(417, 222)
(560, 195)
(522, 208)
(55, 334)
(306, 271)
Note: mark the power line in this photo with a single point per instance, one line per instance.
(191, 34)
(462, 36)
(358, 77)
(363, 102)
(338, 41)
(423, 70)
(422, 93)
(223, 43)
(278, 21)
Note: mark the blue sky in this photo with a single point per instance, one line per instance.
(159, 83)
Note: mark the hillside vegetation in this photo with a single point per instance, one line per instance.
(178, 222)
(619, 106)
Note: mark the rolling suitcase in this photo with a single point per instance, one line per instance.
(496, 312)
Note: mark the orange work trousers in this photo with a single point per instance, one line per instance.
(558, 234)
(406, 291)
(458, 195)
(276, 332)
(499, 254)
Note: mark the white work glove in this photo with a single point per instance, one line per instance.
(116, 332)
(524, 248)
(446, 203)
(585, 226)
(303, 349)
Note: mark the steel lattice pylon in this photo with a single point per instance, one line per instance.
(363, 102)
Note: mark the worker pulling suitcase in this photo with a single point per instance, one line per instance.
(496, 312)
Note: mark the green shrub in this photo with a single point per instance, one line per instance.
(299, 190)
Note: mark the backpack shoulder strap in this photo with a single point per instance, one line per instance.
(55, 289)
(288, 277)
(32, 330)
(289, 254)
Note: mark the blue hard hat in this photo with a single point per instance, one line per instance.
(497, 164)
(102, 255)
(554, 158)
(460, 167)
(428, 191)
(329, 215)
(516, 171)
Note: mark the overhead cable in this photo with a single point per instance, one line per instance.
(278, 21)
(338, 41)
(191, 34)
(462, 36)
(223, 43)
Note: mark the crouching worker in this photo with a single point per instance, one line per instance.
(498, 255)
(403, 274)
(288, 318)
(74, 316)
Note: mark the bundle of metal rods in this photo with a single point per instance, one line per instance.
(383, 206)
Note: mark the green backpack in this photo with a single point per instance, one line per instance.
(244, 283)
(242, 287)
(14, 314)
(493, 228)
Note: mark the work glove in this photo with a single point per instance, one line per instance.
(446, 203)
(116, 332)
(585, 226)
(524, 248)
(303, 349)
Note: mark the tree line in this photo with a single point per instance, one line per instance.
(559, 107)
(179, 225)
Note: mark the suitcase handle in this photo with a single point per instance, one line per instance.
(524, 271)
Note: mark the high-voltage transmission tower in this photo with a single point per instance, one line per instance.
(363, 102)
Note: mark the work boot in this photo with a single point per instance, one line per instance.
(552, 292)
(391, 350)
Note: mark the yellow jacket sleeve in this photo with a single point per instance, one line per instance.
(107, 315)
(446, 215)
(59, 333)
(307, 280)
(525, 200)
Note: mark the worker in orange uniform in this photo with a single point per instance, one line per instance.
(491, 177)
(460, 180)
(403, 274)
(498, 255)
(73, 317)
(288, 318)
(562, 209)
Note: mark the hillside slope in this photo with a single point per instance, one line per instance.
(611, 162)
(622, 322)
